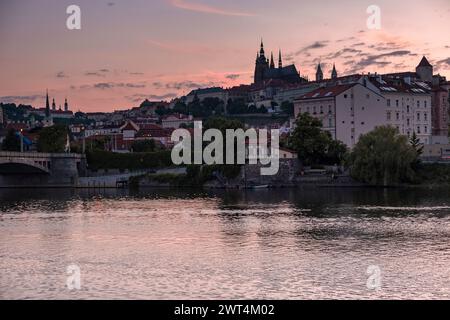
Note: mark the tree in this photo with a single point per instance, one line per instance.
(383, 157)
(11, 141)
(144, 146)
(52, 139)
(309, 140)
(416, 144)
(336, 152)
(288, 108)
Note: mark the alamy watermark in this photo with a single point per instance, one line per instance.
(374, 281)
(73, 22)
(73, 280)
(240, 147)
(374, 20)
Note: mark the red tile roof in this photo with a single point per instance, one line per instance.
(327, 92)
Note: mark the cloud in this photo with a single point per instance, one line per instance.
(203, 8)
(140, 97)
(232, 76)
(98, 73)
(112, 85)
(110, 4)
(313, 46)
(444, 63)
(374, 60)
(61, 75)
(22, 99)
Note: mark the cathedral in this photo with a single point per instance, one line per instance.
(265, 69)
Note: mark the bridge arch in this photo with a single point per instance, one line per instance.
(20, 166)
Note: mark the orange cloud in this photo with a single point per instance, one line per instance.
(198, 7)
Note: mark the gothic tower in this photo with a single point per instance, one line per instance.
(272, 62)
(425, 70)
(66, 105)
(319, 73)
(334, 74)
(47, 107)
(280, 61)
(53, 105)
(262, 65)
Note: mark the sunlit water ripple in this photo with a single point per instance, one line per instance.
(267, 244)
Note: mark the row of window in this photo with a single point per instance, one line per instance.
(397, 104)
(397, 116)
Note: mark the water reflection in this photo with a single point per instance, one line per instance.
(196, 244)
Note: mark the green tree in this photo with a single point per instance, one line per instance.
(11, 141)
(336, 152)
(288, 108)
(309, 140)
(383, 157)
(416, 144)
(144, 146)
(52, 139)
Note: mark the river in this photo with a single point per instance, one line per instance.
(263, 244)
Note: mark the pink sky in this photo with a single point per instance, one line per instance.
(127, 51)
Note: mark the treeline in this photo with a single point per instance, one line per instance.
(128, 161)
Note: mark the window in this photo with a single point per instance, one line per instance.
(407, 122)
(345, 96)
(321, 109)
(314, 110)
(388, 102)
(330, 122)
(407, 109)
(418, 104)
(397, 103)
(329, 109)
(425, 115)
(418, 130)
(388, 116)
(425, 103)
(418, 116)
(397, 116)
(426, 129)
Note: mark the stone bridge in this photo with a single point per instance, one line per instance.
(32, 169)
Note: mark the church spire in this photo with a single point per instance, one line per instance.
(334, 74)
(53, 104)
(66, 105)
(280, 61)
(319, 73)
(272, 62)
(47, 106)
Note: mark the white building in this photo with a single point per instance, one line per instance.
(408, 106)
(346, 111)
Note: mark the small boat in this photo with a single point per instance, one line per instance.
(263, 186)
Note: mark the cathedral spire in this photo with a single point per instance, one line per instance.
(272, 62)
(261, 52)
(280, 61)
(66, 105)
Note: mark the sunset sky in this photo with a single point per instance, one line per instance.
(129, 50)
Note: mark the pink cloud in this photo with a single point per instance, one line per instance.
(198, 7)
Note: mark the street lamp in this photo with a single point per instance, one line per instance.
(21, 140)
(84, 139)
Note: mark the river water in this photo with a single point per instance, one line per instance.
(262, 244)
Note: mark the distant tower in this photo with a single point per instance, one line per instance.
(47, 107)
(280, 61)
(272, 62)
(66, 105)
(262, 65)
(53, 105)
(334, 74)
(425, 70)
(319, 73)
